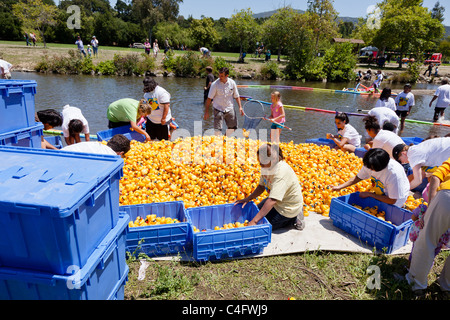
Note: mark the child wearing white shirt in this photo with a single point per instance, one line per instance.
(389, 172)
(347, 139)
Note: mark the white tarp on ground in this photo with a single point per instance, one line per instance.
(319, 234)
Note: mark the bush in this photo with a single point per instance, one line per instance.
(106, 67)
(126, 65)
(188, 65)
(270, 71)
(87, 66)
(219, 63)
(147, 63)
(339, 62)
(169, 62)
(314, 70)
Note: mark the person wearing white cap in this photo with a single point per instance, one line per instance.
(94, 44)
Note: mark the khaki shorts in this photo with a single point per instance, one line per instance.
(229, 117)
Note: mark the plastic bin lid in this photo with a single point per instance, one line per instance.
(31, 179)
(8, 83)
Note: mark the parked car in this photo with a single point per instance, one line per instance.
(435, 59)
(138, 45)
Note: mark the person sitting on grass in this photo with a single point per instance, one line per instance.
(347, 139)
(284, 205)
(436, 223)
(378, 164)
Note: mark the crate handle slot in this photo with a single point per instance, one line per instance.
(12, 90)
(98, 192)
(14, 231)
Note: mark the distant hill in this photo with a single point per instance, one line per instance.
(267, 14)
(344, 19)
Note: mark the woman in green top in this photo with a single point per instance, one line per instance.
(126, 112)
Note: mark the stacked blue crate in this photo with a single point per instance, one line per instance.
(59, 214)
(17, 114)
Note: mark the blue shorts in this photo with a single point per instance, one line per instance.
(277, 126)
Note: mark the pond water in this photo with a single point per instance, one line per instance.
(93, 94)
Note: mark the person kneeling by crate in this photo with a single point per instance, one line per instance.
(378, 164)
(284, 205)
(117, 145)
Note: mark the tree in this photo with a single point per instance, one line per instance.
(242, 28)
(203, 33)
(149, 12)
(277, 28)
(346, 28)
(406, 26)
(438, 12)
(300, 49)
(172, 31)
(444, 48)
(322, 19)
(10, 25)
(339, 62)
(35, 14)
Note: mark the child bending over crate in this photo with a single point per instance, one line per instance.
(390, 173)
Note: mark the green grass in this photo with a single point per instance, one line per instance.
(314, 275)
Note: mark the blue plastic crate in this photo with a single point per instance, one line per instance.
(411, 140)
(158, 240)
(229, 243)
(360, 152)
(17, 104)
(55, 206)
(322, 142)
(55, 141)
(105, 135)
(101, 278)
(29, 137)
(370, 229)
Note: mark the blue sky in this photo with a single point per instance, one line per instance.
(225, 8)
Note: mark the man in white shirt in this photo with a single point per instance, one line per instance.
(442, 95)
(5, 69)
(159, 119)
(389, 172)
(404, 102)
(117, 145)
(223, 91)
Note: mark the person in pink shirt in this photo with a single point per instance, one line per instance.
(277, 116)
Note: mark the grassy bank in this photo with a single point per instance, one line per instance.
(26, 58)
(304, 276)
